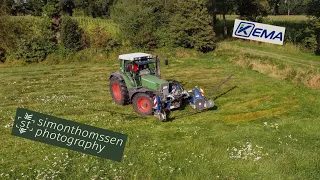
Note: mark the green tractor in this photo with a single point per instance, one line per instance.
(139, 82)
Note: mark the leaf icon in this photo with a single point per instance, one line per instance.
(28, 116)
(22, 130)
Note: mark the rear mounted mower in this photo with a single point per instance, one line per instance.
(139, 82)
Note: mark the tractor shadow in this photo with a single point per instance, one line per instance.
(185, 103)
(170, 119)
(224, 93)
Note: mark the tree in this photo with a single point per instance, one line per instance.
(8, 31)
(294, 6)
(4, 31)
(289, 7)
(94, 8)
(52, 9)
(252, 9)
(35, 40)
(82, 6)
(314, 13)
(224, 7)
(190, 26)
(101, 8)
(18, 7)
(220, 7)
(34, 7)
(212, 9)
(71, 34)
(6, 6)
(67, 6)
(3, 7)
(139, 21)
(274, 6)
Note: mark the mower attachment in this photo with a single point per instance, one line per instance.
(198, 101)
(163, 104)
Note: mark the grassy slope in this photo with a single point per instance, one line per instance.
(277, 120)
(282, 62)
(288, 50)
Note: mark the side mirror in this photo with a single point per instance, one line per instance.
(166, 62)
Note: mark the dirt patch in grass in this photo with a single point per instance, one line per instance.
(314, 82)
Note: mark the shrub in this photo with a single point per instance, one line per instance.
(8, 35)
(36, 40)
(71, 34)
(34, 49)
(139, 21)
(190, 26)
(52, 9)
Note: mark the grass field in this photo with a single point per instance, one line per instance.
(264, 127)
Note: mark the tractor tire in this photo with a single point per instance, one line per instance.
(142, 104)
(119, 91)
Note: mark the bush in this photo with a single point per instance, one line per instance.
(190, 26)
(101, 38)
(8, 35)
(35, 40)
(139, 22)
(34, 49)
(71, 34)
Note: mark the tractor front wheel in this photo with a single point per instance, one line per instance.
(119, 91)
(142, 104)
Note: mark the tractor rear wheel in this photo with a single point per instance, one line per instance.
(119, 91)
(142, 104)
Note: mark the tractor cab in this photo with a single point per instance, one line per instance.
(142, 70)
(137, 64)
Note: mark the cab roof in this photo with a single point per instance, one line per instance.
(135, 56)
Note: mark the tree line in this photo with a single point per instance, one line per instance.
(101, 8)
(144, 24)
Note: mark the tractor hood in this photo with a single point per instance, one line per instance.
(153, 82)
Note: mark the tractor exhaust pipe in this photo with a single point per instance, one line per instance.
(158, 73)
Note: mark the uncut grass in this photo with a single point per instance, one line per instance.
(266, 61)
(191, 146)
(290, 50)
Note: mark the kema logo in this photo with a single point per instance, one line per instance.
(258, 31)
(245, 29)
